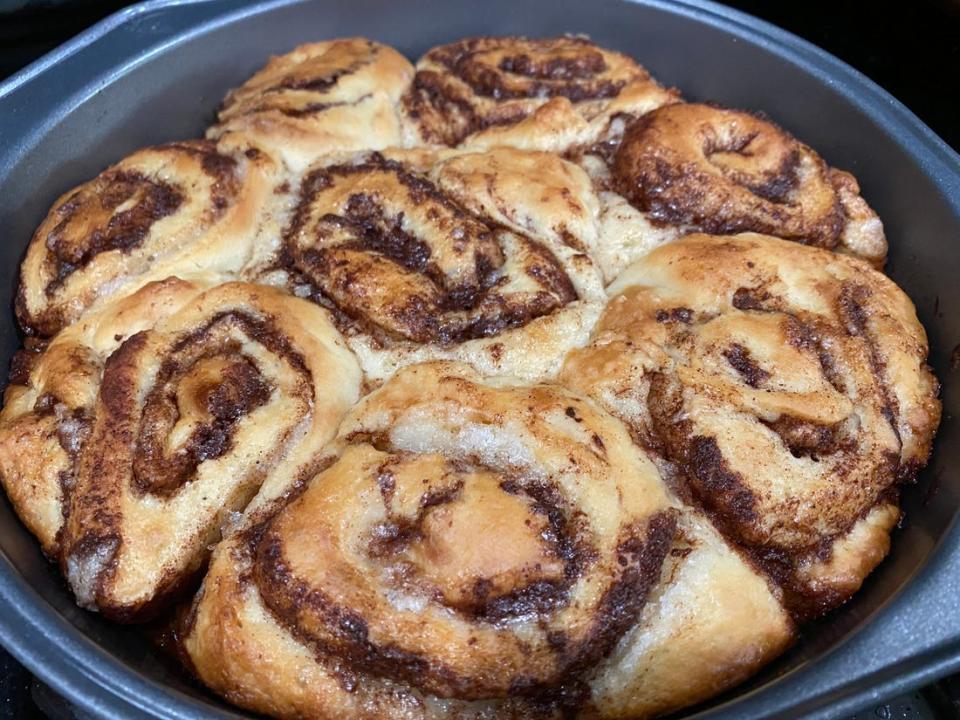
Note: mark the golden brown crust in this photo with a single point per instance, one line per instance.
(33, 468)
(376, 568)
(790, 386)
(185, 207)
(529, 192)
(319, 98)
(48, 410)
(544, 94)
(709, 624)
(705, 168)
(416, 275)
(170, 409)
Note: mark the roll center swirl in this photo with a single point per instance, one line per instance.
(726, 171)
(438, 549)
(428, 538)
(189, 416)
(136, 200)
(114, 212)
(203, 388)
(561, 67)
(754, 158)
(391, 250)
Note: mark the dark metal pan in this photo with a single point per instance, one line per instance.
(156, 71)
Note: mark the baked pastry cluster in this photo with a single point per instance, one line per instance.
(420, 392)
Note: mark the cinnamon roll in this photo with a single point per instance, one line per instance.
(689, 167)
(479, 261)
(465, 541)
(334, 96)
(160, 416)
(545, 94)
(789, 387)
(174, 209)
(49, 402)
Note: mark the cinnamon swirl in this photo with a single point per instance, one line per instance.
(465, 540)
(160, 415)
(175, 209)
(690, 167)
(334, 96)
(788, 385)
(547, 94)
(415, 275)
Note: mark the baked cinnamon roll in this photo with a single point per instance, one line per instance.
(49, 403)
(156, 419)
(480, 261)
(787, 384)
(466, 540)
(174, 209)
(333, 96)
(690, 167)
(547, 94)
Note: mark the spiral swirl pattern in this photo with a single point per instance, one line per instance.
(324, 97)
(416, 275)
(50, 401)
(375, 566)
(183, 207)
(172, 421)
(698, 167)
(788, 384)
(547, 94)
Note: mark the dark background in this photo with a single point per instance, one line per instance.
(911, 49)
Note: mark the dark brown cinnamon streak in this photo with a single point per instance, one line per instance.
(162, 414)
(794, 397)
(558, 84)
(190, 205)
(724, 171)
(394, 252)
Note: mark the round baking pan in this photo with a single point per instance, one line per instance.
(156, 71)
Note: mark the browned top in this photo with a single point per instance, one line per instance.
(789, 385)
(154, 418)
(119, 211)
(116, 210)
(315, 77)
(426, 544)
(509, 68)
(332, 96)
(457, 568)
(150, 439)
(91, 222)
(481, 82)
(725, 171)
(399, 256)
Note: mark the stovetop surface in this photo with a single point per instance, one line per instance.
(912, 49)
